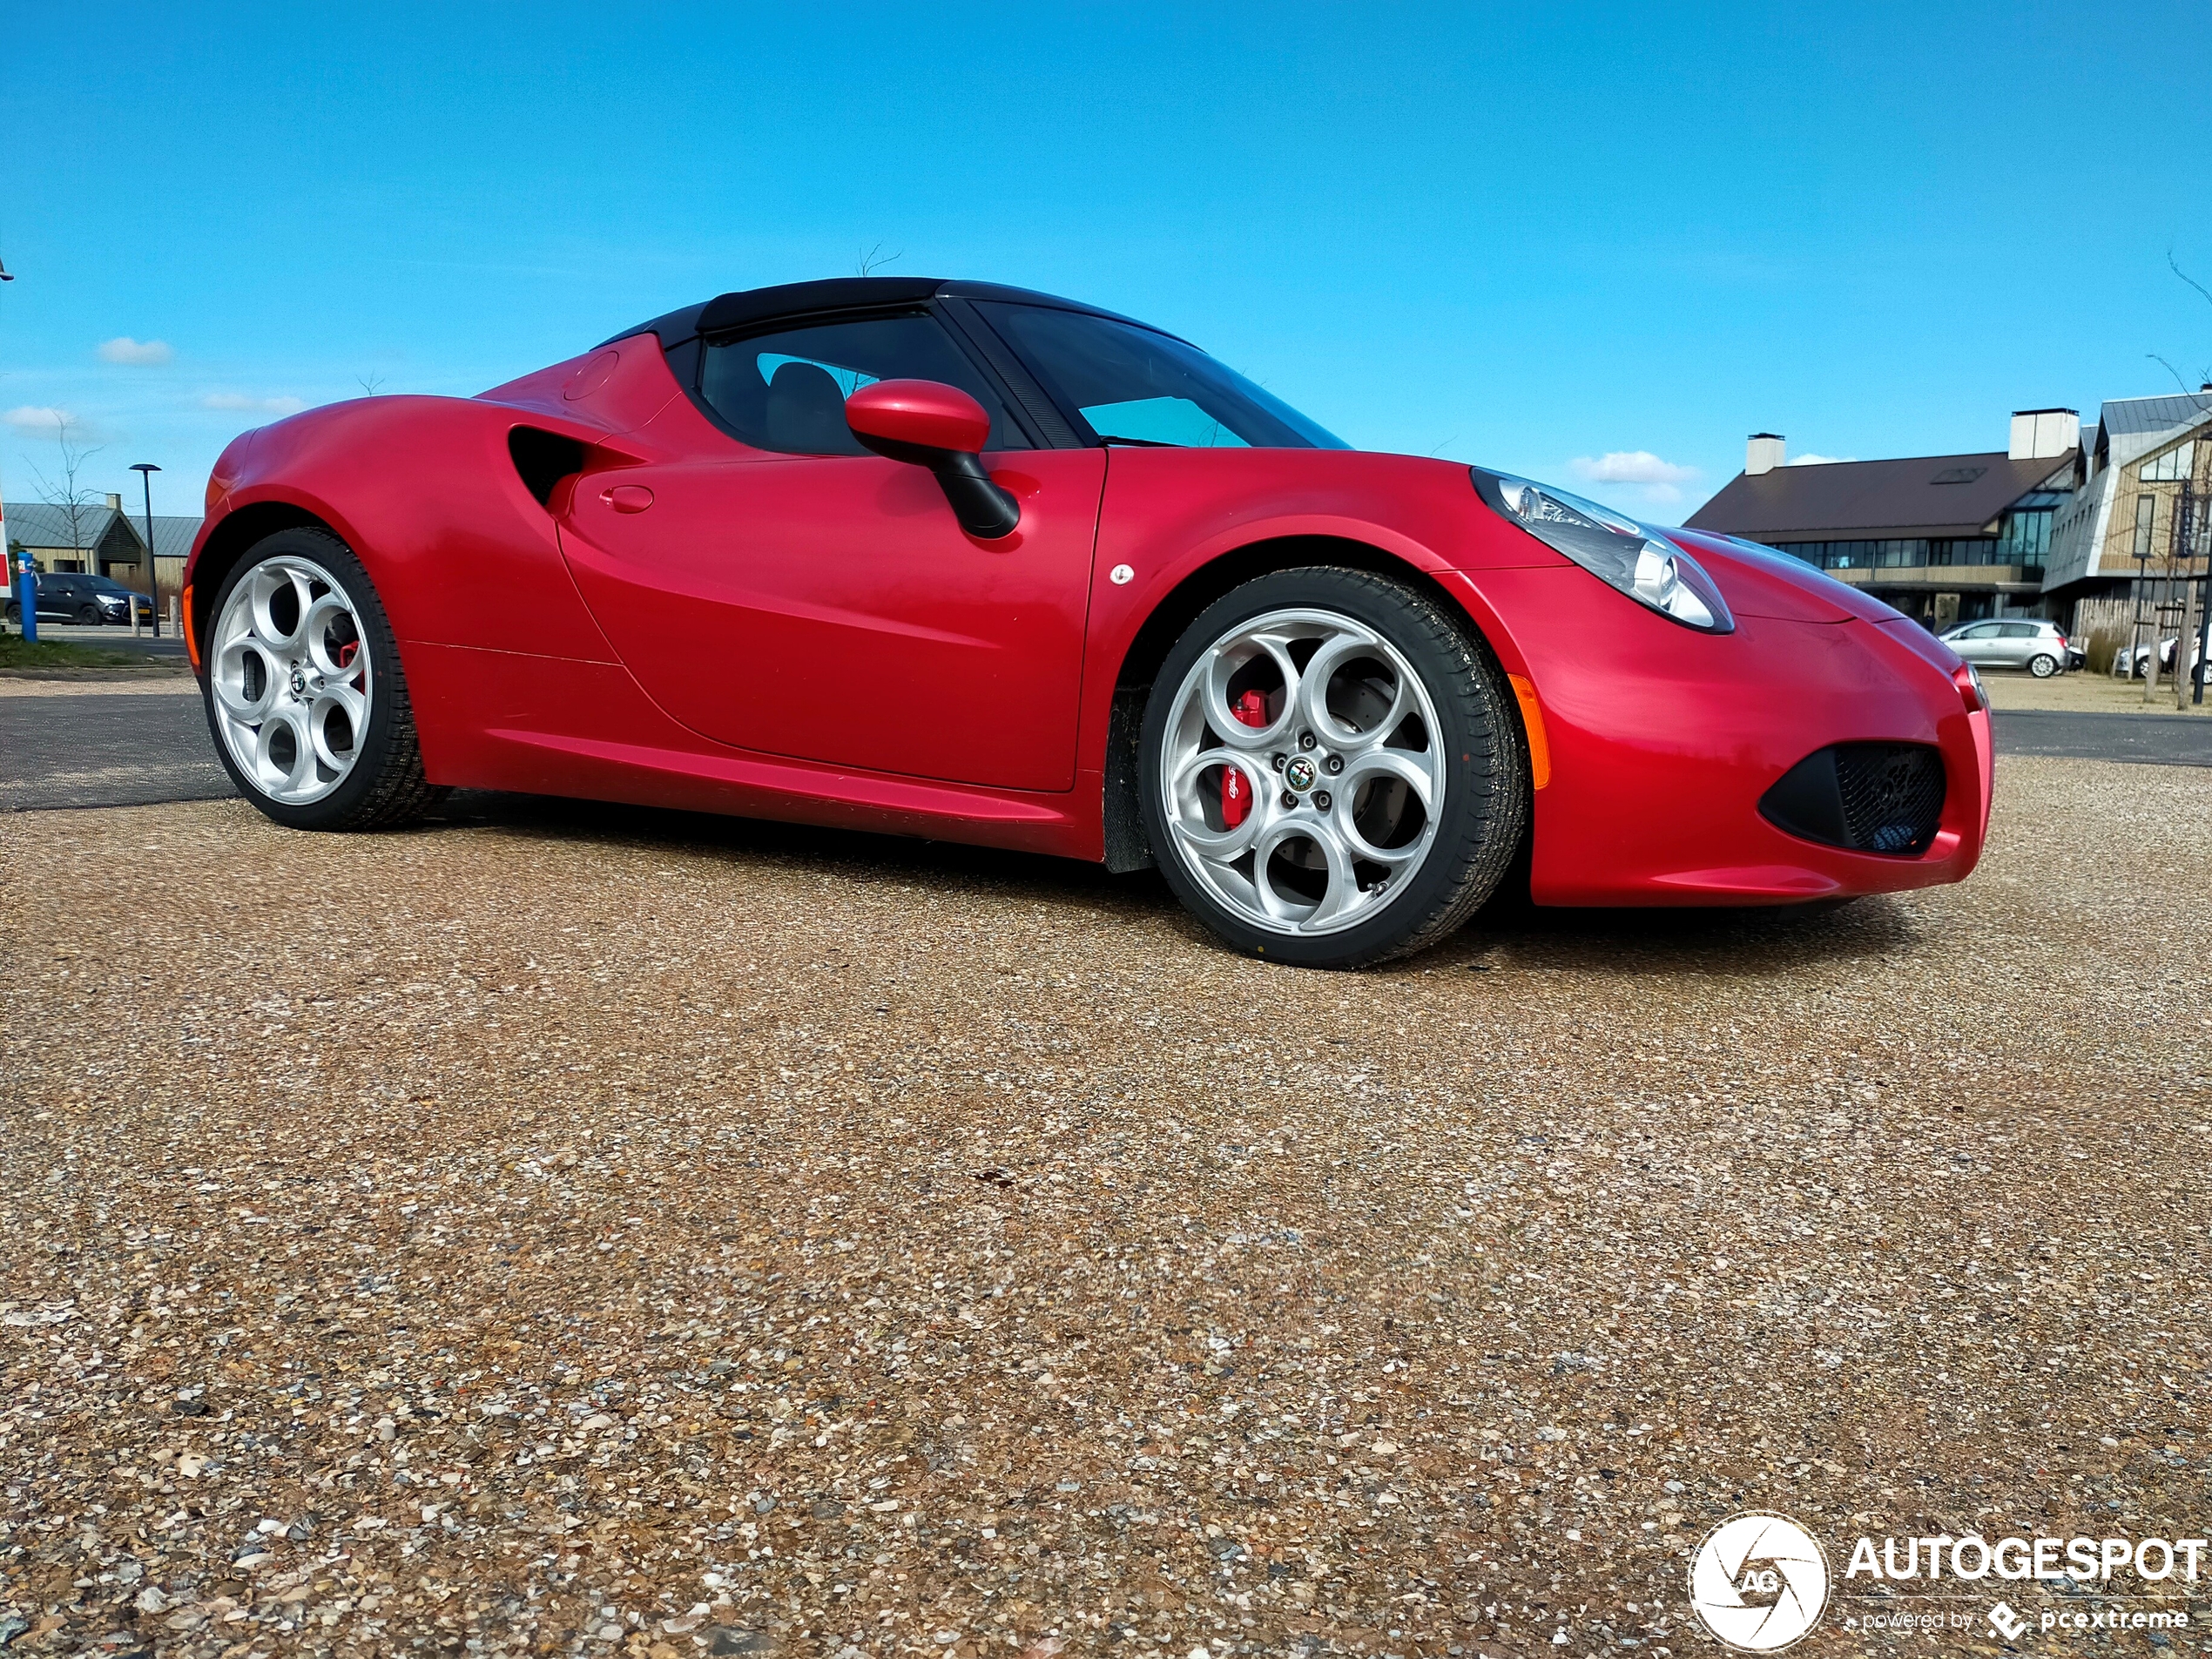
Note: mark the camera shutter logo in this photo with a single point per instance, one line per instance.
(1759, 1582)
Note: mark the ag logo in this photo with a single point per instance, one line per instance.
(1759, 1582)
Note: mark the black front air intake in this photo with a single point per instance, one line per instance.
(1881, 798)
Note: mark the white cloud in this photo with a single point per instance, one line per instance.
(1659, 480)
(146, 353)
(239, 402)
(1818, 461)
(44, 421)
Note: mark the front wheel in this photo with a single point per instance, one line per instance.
(1332, 771)
(2042, 666)
(304, 696)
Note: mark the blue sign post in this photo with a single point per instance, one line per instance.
(27, 595)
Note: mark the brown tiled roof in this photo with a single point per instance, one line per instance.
(1873, 500)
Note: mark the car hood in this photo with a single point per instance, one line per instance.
(1760, 582)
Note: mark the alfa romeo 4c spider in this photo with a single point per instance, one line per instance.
(960, 561)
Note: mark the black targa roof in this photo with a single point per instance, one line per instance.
(794, 299)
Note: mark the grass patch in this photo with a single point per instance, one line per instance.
(17, 652)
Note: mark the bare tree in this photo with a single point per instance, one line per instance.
(370, 383)
(2203, 390)
(875, 258)
(71, 499)
(2188, 539)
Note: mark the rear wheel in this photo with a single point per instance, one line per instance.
(304, 691)
(2042, 666)
(1332, 770)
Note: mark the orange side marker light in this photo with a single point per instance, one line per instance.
(1532, 716)
(192, 635)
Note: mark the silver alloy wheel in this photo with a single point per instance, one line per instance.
(1346, 772)
(288, 666)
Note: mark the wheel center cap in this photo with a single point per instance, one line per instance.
(1299, 773)
(300, 684)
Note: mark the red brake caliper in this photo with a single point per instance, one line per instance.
(1235, 794)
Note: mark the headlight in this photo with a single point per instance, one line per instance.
(1638, 560)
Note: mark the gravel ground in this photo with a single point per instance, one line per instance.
(578, 1230)
(96, 683)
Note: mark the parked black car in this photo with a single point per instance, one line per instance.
(74, 596)
(116, 600)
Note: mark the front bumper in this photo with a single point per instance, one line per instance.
(1663, 742)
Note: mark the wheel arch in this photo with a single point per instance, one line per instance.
(1127, 846)
(230, 539)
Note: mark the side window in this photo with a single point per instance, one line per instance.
(786, 391)
(1985, 630)
(2020, 630)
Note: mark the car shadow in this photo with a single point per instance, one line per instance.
(1507, 933)
(1737, 941)
(858, 854)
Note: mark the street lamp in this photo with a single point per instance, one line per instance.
(145, 469)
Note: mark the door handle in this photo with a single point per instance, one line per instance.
(627, 498)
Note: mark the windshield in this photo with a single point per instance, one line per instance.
(1136, 387)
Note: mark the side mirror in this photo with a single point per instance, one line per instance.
(941, 427)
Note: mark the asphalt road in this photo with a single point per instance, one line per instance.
(138, 749)
(2148, 740)
(105, 638)
(123, 750)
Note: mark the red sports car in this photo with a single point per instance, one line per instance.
(966, 561)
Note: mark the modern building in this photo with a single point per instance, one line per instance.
(174, 535)
(1944, 538)
(2135, 523)
(95, 536)
(102, 537)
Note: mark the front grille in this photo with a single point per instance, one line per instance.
(1881, 798)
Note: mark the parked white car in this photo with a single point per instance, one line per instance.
(2013, 642)
(2137, 658)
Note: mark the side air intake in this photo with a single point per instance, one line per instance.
(542, 459)
(1883, 798)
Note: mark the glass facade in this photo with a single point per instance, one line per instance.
(1911, 554)
(2023, 539)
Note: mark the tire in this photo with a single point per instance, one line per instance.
(14, 612)
(1411, 699)
(2042, 666)
(286, 708)
(89, 615)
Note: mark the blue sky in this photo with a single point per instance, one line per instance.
(1533, 237)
